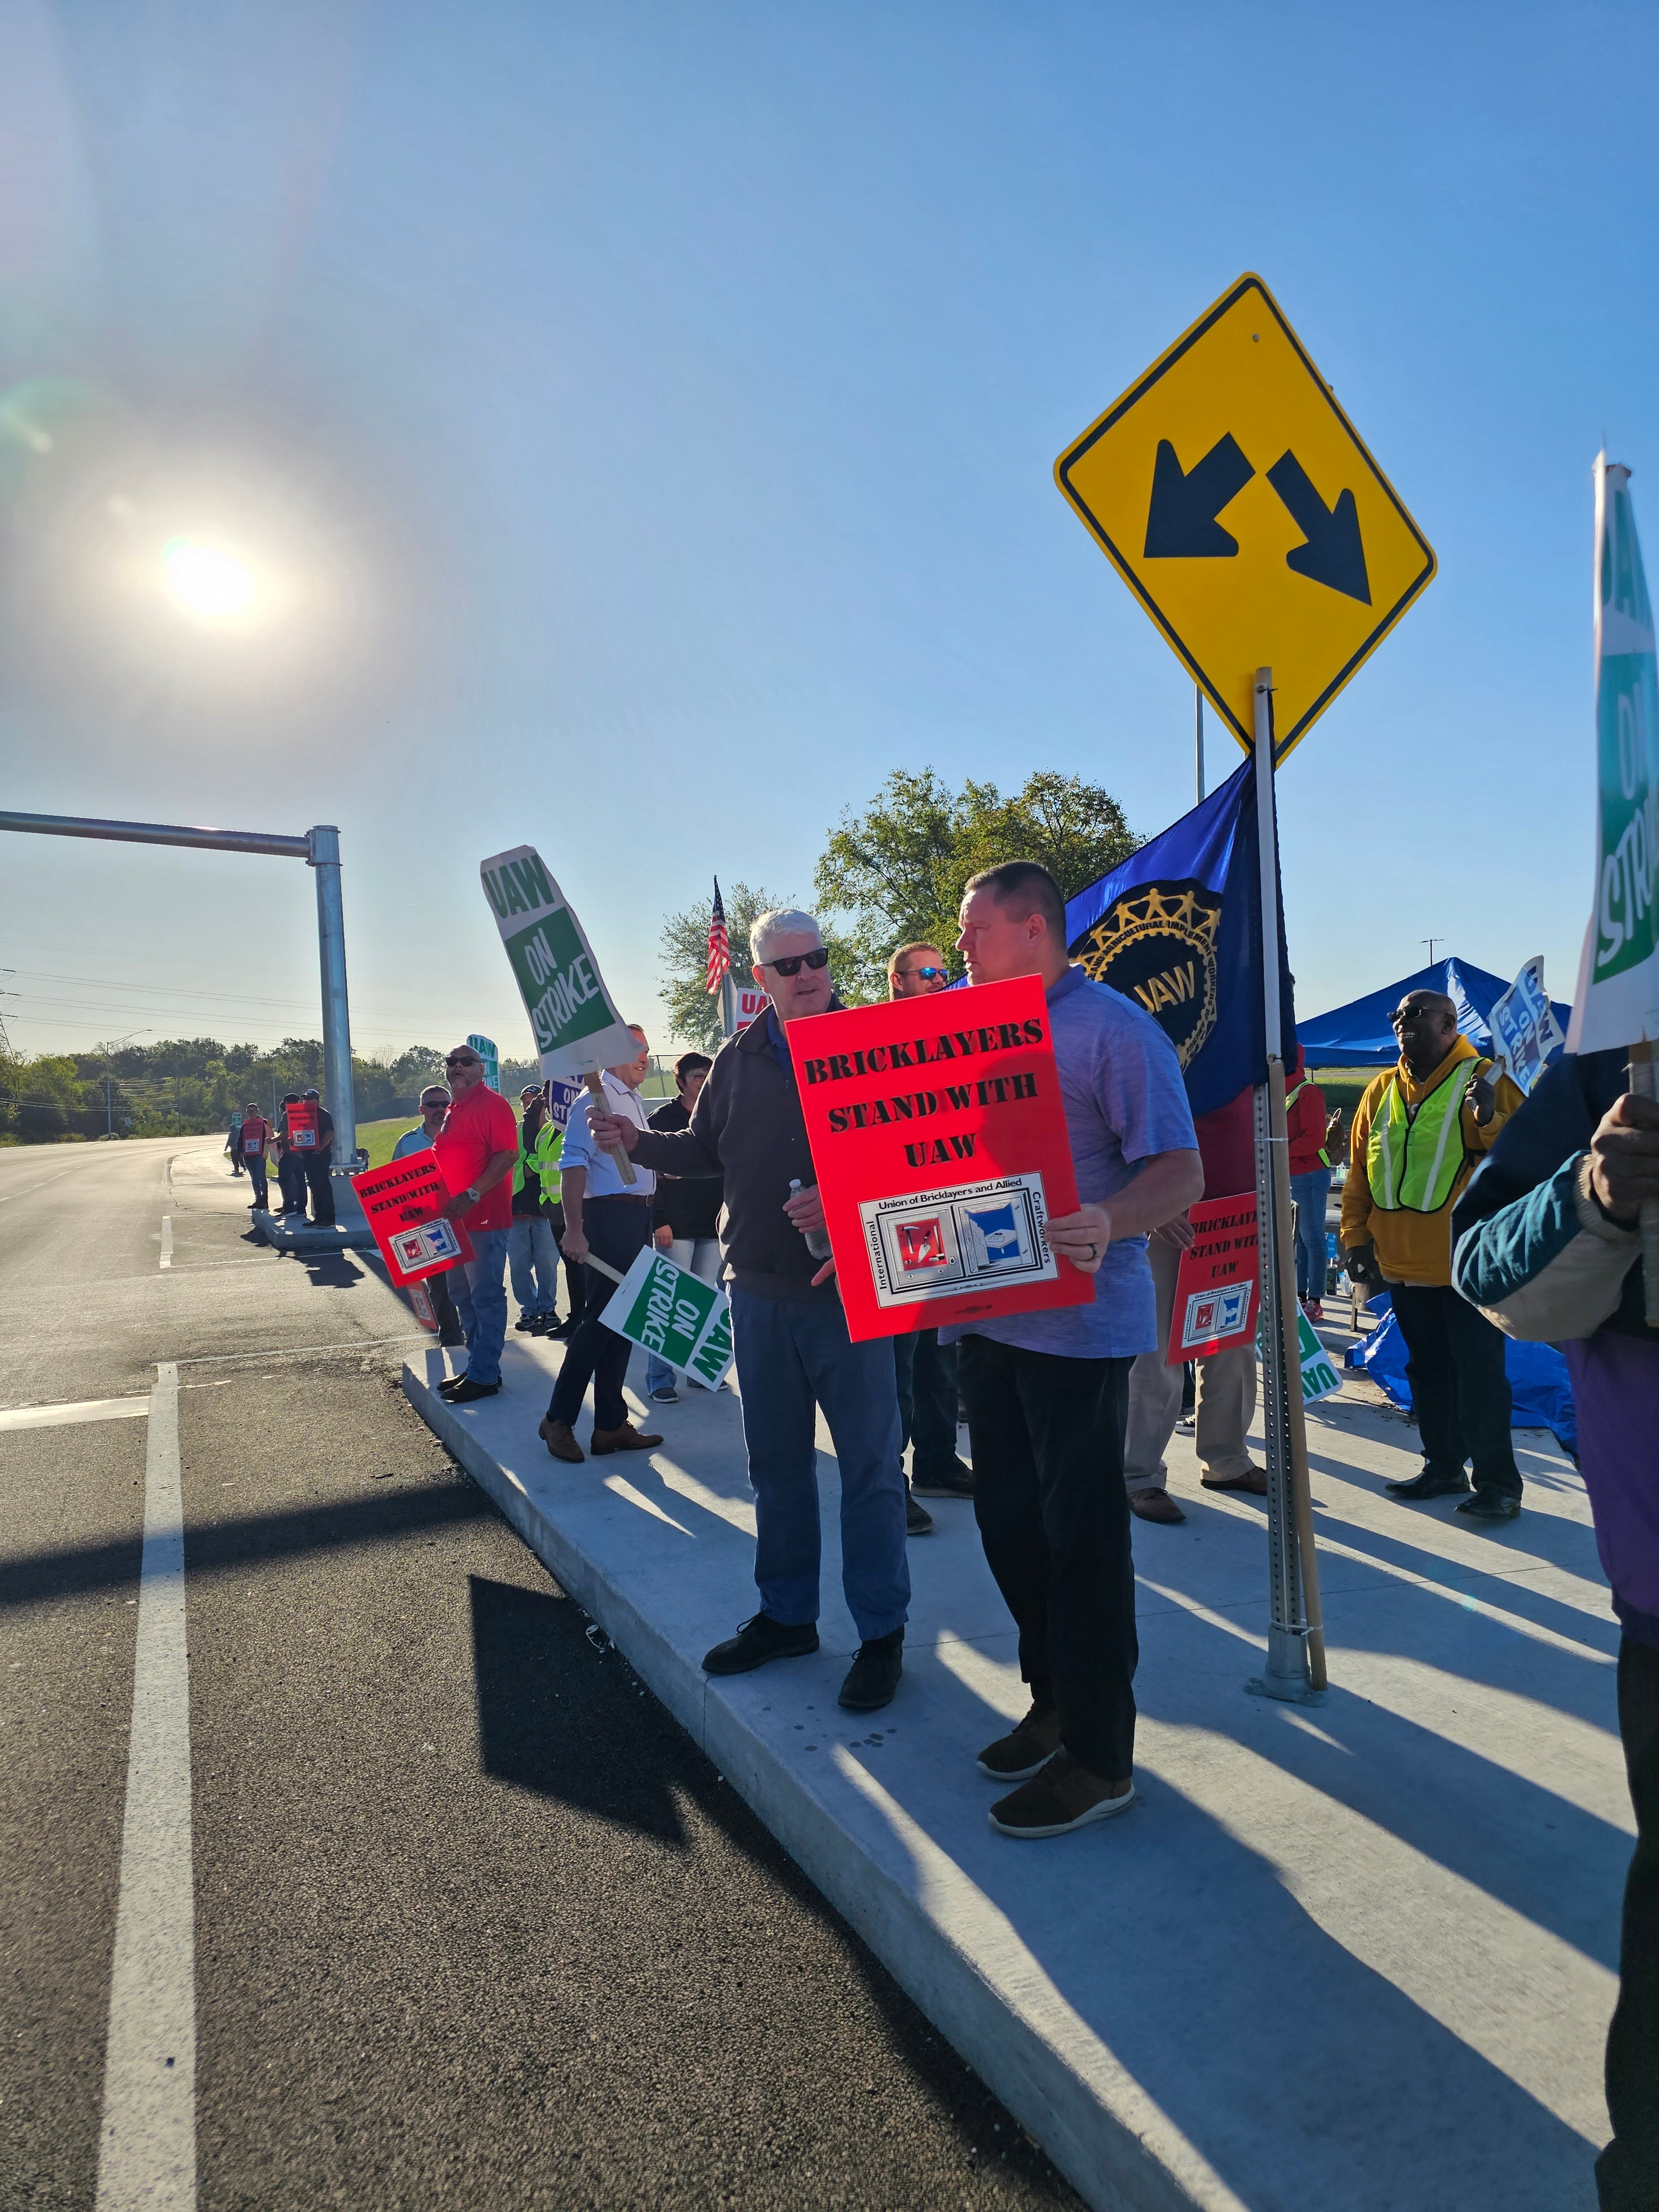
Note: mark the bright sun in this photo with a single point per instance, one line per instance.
(207, 581)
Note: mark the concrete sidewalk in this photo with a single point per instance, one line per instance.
(1357, 1956)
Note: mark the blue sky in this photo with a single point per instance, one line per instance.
(658, 407)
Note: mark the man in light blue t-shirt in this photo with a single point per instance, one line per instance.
(1048, 1392)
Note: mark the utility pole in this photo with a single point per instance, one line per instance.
(320, 848)
(1198, 738)
(1431, 942)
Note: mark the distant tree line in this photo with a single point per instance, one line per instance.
(189, 1086)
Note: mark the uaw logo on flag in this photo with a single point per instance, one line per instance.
(427, 1242)
(927, 1246)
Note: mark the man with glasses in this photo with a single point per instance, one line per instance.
(477, 1147)
(924, 1369)
(793, 1353)
(434, 1104)
(1420, 1132)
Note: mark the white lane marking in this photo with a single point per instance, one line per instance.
(86, 1409)
(290, 1351)
(146, 2143)
(166, 1240)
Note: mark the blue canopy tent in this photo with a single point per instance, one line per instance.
(1359, 1036)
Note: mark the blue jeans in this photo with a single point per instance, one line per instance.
(701, 1255)
(1309, 1193)
(533, 1259)
(794, 1353)
(481, 1300)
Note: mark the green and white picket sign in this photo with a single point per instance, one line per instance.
(485, 1049)
(667, 1310)
(573, 1017)
(1617, 1001)
(1319, 1375)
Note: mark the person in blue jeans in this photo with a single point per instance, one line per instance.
(793, 1352)
(1310, 1131)
(477, 1149)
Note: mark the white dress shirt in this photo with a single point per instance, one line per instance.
(580, 1151)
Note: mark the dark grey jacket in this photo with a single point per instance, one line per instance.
(747, 1126)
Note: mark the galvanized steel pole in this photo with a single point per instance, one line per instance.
(320, 850)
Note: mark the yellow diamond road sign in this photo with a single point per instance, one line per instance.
(1239, 504)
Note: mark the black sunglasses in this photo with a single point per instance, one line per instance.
(793, 963)
(461, 1059)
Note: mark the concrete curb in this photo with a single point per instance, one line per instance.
(344, 1236)
(1104, 2159)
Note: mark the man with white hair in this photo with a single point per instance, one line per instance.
(793, 1353)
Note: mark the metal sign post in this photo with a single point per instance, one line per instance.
(1295, 1639)
(318, 849)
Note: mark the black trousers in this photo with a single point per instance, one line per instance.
(443, 1305)
(317, 1172)
(1047, 1435)
(1627, 2172)
(576, 1276)
(1460, 1392)
(616, 1229)
(925, 1372)
(291, 1175)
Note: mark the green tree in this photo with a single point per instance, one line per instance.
(897, 869)
(693, 1012)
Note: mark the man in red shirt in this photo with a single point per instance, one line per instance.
(477, 1148)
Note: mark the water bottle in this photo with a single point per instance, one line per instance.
(818, 1244)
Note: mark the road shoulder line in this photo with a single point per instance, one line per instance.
(147, 2141)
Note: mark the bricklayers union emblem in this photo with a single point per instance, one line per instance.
(1158, 945)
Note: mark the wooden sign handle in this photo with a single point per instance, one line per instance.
(595, 1084)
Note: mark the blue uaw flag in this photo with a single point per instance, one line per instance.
(1177, 929)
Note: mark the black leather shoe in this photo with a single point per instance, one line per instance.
(874, 1674)
(918, 1521)
(1429, 1484)
(759, 1640)
(954, 1481)
(466, 1390)
(1489, 1504)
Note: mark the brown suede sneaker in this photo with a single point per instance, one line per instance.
(626, 1438)
(1026, 1749)
(559, 1440)
(1063, 1796)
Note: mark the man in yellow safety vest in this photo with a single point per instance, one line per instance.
(1420, 1132)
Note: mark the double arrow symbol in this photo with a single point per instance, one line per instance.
(1182, 526)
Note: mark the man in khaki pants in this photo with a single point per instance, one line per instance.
(1226, 1380)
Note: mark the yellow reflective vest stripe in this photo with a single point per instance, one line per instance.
(1413, 1158)
(541, 1159)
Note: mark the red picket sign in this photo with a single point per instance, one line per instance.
(302, 1125)
(1219, 1281)
(939, 1137)
(401, 1202)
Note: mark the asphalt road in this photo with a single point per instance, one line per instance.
(475, 1924)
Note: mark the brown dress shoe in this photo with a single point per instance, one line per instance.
(1024, 1750)
(1253, 1482)
(1155, 1504)
(626, 1438)
(559, 1440)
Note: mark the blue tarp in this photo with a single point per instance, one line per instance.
(1359, 1036)
(1537, 1373)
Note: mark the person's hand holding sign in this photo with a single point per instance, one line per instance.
(1081, 1237)
(610, 1132)
(1624, 1157)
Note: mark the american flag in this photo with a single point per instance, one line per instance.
(719, 945)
